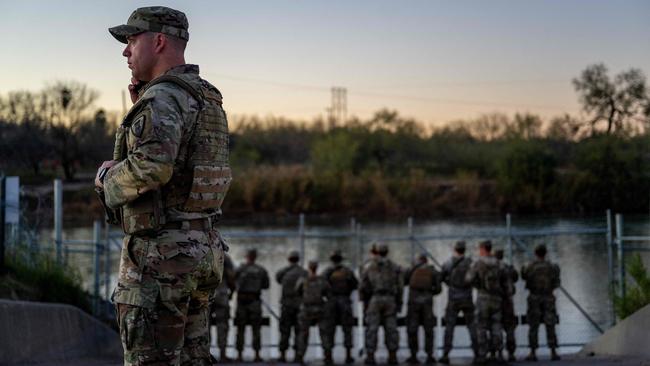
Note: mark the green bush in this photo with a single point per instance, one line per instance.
(636, 296)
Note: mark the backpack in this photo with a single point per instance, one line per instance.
(541, 277)
(250, 280)
(312, 291)
(338, 280)
(491, 278)
(421, 278)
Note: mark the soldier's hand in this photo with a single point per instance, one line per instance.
(101, 172)
(134, 87)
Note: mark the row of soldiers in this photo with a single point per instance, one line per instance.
(309, 298)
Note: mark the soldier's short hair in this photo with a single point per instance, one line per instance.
(540, 250)
(312, 265)
(486, 244)
(422, 258)
(251, 253)
(459, 247)
(294, 256)
(336, 256)
(382, 250)
(498, 254)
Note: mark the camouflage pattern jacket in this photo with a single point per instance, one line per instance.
(541, 277)
(288, 277)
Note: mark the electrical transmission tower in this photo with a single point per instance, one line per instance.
(339, 109)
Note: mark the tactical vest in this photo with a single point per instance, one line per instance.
(250, 281)
(541, 277)
(421, 278)
(201, 184)
(339, 281)
(383, 278)
(458, 271)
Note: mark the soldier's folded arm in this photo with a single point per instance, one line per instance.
(157, 128)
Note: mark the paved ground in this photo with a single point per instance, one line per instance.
(566, 361)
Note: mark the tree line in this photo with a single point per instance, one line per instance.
(387, 164)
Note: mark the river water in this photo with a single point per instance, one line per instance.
(583, 259)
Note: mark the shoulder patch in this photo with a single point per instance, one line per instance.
(138, 126)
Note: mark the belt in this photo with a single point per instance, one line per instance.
(195, 224)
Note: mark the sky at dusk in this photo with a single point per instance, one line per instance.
(432, 60)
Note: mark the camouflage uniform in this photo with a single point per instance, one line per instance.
(338, 309)
(508, 309)
(290, 300)
(492, 283)
(541, 277)
(381, 290)
(172, 256)
(424, 282)
(251, 280)
(314, 291)
(459, 298)
(220, 309)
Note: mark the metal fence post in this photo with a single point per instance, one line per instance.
(509, 242)
(621, 256)
(301, 234)
(410, 228)
(58, 220)
(610, 265)
(97, 232)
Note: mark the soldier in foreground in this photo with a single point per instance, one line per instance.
(459, 298)
(220, 309)
(492, 284)
(172, 256)
(314, 292)
(509, 319)
(251, 280)
(287, 277)
(424, 282)
(541, 277)
(338, 309)
(381, 291)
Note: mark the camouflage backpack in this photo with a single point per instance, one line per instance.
(312, 291)
(491, 278)
(541, 277)
(458, 271)
(289, 281)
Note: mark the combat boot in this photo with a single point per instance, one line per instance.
(511, 357)
(298, 359)
(258, 358)
(392, 358)
(554, 355)
(223, 356)
(240, 356)
(328, 358)
(413, 360)
(531, 356)
(499, 357)
(431, 359)
(348, 357)
(370, 359)
(444, 359)
(283, 357)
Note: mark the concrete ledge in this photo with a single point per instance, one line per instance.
(33, 332)
(630, 337)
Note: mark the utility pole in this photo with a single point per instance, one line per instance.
(339, 109)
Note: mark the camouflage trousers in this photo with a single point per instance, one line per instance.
(541, 309)
(162, 296)
(382, 310)
(488, 324)
(220, 316)
(289, 321)
(310, 315)
(509, 323)
(338, 311)
(249, 312)
(454, 307)
(420, 314)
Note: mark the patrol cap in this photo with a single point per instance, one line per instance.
(336, 256)
(153, 19)
(459, 245)
(294, 255)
